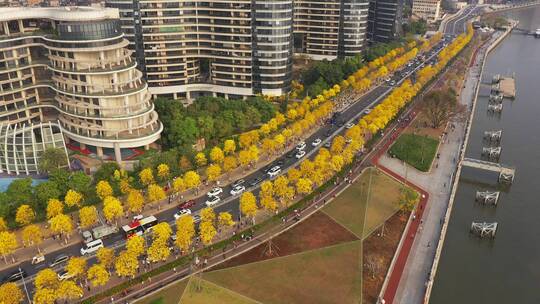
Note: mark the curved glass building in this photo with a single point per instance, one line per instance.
(70, 68)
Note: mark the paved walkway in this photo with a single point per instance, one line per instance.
(437, 183)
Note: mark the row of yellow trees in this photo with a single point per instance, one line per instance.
(274, 194)
(269, 139)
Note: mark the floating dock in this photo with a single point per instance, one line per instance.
(506, 86)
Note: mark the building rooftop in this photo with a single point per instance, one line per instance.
(68, 13)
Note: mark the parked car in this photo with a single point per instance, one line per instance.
(215, 191)
(349, 125)
(274, 171)
(61, 259)
(238, 190)
(213, 200)
(196, 218)
(367, 111)
(291, 154)
(316, 142)
(181, 213)
(300, 154)
(327, 144)
(301, 145)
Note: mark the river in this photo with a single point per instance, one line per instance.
(507, 268)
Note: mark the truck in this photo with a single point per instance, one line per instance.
(99, 232)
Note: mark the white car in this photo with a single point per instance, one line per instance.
(349, 125)
(237, 190)
(64, 275)
(367, 111)
(301, 146)
(274, 171)
(212, 201)
(181, 213)
(316, 142)
(92, 247)
(300, 154)
(214, 192)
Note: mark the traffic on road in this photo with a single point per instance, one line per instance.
(226, 197)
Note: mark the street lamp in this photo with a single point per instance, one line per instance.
(24, 284)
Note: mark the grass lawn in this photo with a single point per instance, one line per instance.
(417, 151)
(327, 275)
(352, 210)
(200, 291)
(169, 295)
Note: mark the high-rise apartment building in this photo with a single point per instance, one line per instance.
(228, 48)
(330, 29)
(384, 22)
(67, 74)
(427, 9)
(236, 48)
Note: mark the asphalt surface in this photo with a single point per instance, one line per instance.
(229, 203)
(458, 24)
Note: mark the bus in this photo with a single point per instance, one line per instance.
(138, 227)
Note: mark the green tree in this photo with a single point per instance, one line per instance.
(408, 199)
(52, 158)
(45, 191)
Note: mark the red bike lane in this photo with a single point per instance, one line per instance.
(412, 230)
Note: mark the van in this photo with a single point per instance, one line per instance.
(92, 246)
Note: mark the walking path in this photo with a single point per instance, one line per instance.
(429, 221)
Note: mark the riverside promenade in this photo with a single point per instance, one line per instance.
(469, 97)
(411, 275)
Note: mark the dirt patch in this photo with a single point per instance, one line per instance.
(380, 250)
(317, 231)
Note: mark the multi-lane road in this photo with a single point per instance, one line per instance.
(458, 24)
(326, 133)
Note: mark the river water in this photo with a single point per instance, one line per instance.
(507, 268)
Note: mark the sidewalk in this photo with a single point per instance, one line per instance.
(437, 183)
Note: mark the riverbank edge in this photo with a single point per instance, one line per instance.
(457, 173)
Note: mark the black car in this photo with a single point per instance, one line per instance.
(15, 276)
(328, 133)
(255, 181)
(279, 162)
(291, 154)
